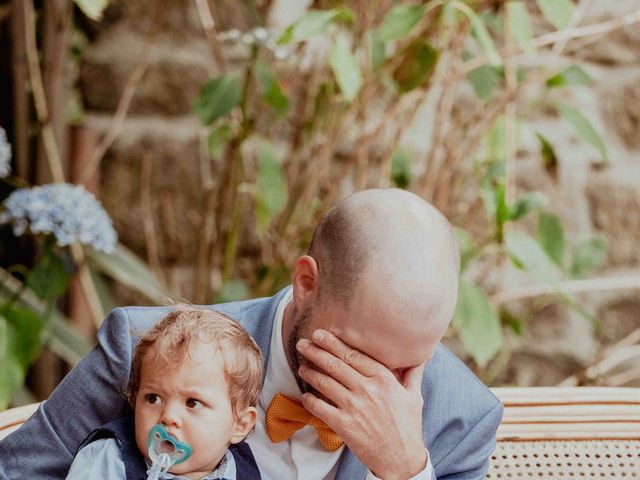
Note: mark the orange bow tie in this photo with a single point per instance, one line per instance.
(286, 416)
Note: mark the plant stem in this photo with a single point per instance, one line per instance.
(39, 97)
(569, 287)
(148, 225)
(556, 37)
(209, 25)
(19, 87)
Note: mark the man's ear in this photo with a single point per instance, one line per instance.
(245, 421)
(306, 276)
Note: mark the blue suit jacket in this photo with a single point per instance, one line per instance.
(460, 414)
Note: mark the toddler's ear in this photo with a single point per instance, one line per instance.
(245, 421)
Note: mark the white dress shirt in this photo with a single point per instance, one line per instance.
(302, 457)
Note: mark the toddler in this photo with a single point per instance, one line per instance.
(195, 380)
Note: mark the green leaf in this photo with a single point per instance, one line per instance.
(271, 196)
(401, 169)
(514, 323)
(551, 237)
(418, 64)
(468, 247)
(378, 51)
(492, 19)
(270, 89)
(485, 80)
(557, 12)
(346, 70)
(92, 8)
(496, 146)
(11, 378)
(548, 154)
(124, 266)
(528, 254)
(399, 22)
(50, 277)
(573, 75)
(218, 97)
(64, 340)
(520, 26)
(485, 40)
(25, 328)
(232, 291)
(503, 212)
(481, 33)
(218, 138)
(493, 189)
(103, 290)
(583, 128)
(587, 256)
(477, 323)
(312, 23)
(527, 203)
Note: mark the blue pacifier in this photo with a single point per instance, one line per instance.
(164, 451)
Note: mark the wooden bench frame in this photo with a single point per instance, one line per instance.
(546, 432)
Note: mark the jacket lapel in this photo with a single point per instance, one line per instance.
(350, 467)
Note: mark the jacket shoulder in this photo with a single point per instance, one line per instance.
(457, 406)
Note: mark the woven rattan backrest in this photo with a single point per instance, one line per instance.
(568, 433)
(566, 459)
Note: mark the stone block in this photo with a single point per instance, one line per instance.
(535, 370)
(174, 148)
(620, 47)
(619, 318)
(177, 70)
(614, 203)
(556, 330)
(621, 108)
(180, 17)
(167, 88)
(557, 342)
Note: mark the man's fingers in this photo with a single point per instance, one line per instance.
(324, 384)
(413, 378)
(354, 358)
(329, 363)
(321, 409)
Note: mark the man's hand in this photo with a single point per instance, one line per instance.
(378, 416)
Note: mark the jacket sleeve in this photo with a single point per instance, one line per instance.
(469, 459)
(89, 396)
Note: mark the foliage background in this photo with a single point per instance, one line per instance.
(216, 133)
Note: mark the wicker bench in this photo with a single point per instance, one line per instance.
(568, 433)
(546, 433)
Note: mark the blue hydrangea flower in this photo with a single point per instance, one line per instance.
(67, 211)
(5, 154)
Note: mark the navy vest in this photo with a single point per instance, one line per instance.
(136, 468)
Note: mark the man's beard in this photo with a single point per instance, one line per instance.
(298, 330)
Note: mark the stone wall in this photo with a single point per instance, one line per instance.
(588, 197)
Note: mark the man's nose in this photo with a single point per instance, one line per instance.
(170, 414)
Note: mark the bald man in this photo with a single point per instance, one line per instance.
(357, 384)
